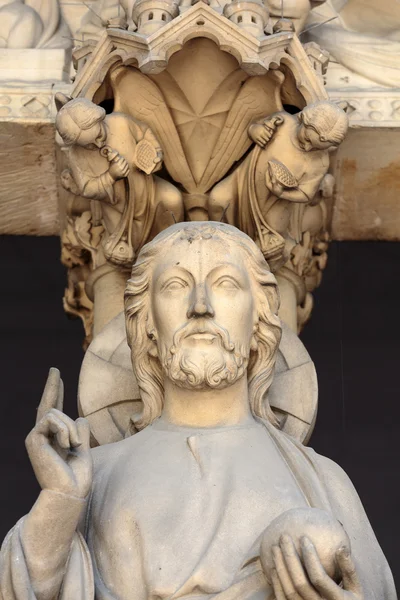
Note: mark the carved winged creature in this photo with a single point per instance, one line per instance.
(111, 160)
(285, 169)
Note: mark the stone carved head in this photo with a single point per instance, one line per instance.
(323, 125)
(80, 122)
(201, 309)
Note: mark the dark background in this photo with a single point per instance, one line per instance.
(353, 338)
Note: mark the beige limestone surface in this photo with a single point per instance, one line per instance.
(28, 184)
(363, 36)
(206, 496)
(189, 100)
(32, 24)
(366, 198)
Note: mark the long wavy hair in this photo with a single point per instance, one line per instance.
(140, 331)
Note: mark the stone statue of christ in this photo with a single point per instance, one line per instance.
(178, 509)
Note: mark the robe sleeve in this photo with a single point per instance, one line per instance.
(93, 187)
(15, 582)
(308, 186)
(372, 566)
(315, 170)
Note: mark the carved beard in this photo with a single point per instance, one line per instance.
(219, 365)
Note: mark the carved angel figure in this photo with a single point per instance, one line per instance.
(286, 167)
(111, 161)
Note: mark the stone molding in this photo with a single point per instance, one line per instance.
(33, 102)
(370, 107)
(151, 54)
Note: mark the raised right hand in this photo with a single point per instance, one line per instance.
(58, 447)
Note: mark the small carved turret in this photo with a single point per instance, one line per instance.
(251, 15)
(319, 57)
(283, 25)
(151, 15)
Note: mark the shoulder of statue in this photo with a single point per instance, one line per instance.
(80, 158)
(335, 477)
(106, 455)
(125, 121)
(288, 119)
(289, 125)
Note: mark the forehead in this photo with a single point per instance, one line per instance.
(200, 255)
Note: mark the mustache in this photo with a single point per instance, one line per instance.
(200, 325)
(223, 366)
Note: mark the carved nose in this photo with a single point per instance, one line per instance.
(200, 306)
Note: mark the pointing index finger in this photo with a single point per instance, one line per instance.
(52, 396)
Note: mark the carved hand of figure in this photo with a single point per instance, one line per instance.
(58, 447)
(260, 134)
(273, 184)
(119, 167)
(305, 578)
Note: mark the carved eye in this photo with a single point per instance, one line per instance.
(174, 284)
(227, 283)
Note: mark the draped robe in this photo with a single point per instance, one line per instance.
(133, 197)
(179, 513)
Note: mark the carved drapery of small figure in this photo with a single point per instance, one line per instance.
(116, 203)
(276, 197)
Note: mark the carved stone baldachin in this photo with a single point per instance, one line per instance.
(202, 130)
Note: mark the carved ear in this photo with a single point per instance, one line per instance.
(60, 100)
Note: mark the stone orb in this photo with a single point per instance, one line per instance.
(322, 529)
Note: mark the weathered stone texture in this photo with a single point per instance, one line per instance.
(28, 185)
(367, 172)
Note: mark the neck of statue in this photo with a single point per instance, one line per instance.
(207, 407)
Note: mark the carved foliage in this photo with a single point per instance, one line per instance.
(80, 241)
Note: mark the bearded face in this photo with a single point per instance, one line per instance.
(201, 300)
(203, 314)
(203, 355)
